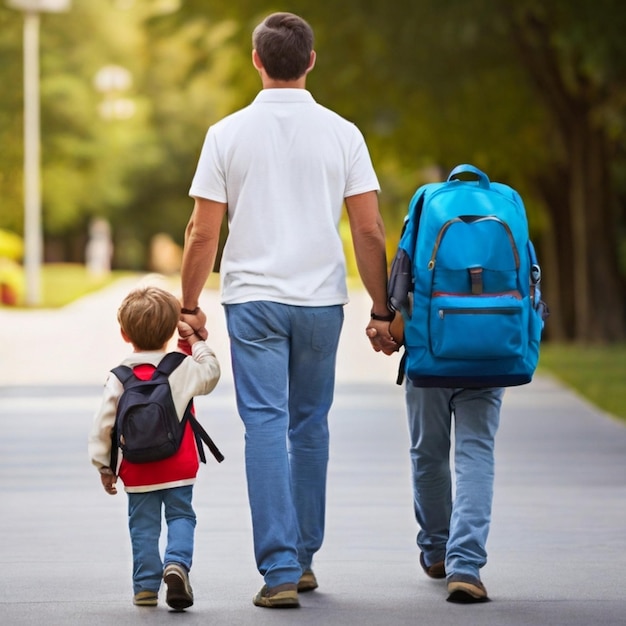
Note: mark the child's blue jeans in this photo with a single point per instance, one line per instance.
(145, 511)
(453, 528)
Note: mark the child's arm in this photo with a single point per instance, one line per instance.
(99, 442)
(200, 374)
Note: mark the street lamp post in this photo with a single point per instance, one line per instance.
(32, 158)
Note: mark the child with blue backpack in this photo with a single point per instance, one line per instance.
(465, 285)
(148, 319)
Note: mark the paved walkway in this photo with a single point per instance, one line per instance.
(557, 551)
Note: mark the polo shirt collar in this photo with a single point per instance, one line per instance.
(284, 95)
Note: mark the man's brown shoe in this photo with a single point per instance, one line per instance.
(464, 589)
(436, 570)
(307, 581)
(279, 597)
(146, 598)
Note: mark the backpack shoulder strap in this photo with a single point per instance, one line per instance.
(167, 365)
(399, 284)
(170, 362)
(408, 238)
(204, 436)
(123, 373)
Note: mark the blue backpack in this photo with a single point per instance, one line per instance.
(466, 281)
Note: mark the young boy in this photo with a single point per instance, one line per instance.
(148, 318)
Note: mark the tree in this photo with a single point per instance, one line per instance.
(85, 157)
(532, 92)
(11, 154)
(575, 54)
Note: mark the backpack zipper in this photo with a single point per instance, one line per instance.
(513, 294)
(446, 226)
(495, 311)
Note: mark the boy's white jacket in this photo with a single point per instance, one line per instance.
(195, 376)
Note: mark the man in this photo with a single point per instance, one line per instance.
(281, 170)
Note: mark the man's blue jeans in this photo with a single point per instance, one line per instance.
(453, 529)
(144, 522)
(283, 361)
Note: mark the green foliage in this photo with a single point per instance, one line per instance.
(431, 83)
(11, 134)
(189, 82)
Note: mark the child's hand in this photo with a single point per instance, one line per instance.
(108, 482)
(186, 332)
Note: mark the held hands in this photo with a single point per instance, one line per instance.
(380, 337)
(186, 333)
(195, 322)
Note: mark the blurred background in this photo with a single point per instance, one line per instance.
(532, 92)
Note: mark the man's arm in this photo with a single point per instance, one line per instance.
(368, 237)
(199, 253)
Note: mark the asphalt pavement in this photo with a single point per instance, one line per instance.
(557, 549)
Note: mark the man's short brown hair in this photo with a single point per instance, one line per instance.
(284, 43)
(149, 317)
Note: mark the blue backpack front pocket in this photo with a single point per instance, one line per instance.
(458, 326)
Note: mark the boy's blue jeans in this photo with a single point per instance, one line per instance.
(283, 361)
(453, 529)
(144, 521)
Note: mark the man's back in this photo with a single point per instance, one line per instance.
(284, 165)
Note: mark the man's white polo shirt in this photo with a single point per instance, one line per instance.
(284, 165)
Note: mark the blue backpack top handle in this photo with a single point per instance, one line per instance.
(466, 168)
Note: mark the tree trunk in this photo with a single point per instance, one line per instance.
(580, 209)
(599, 303)
(607, 293)
(555, 253)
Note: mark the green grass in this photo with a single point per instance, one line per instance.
(62, 283)
(596, 372)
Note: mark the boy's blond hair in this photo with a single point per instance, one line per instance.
(149, 317)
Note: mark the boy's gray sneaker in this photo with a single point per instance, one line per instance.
(179, 593)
